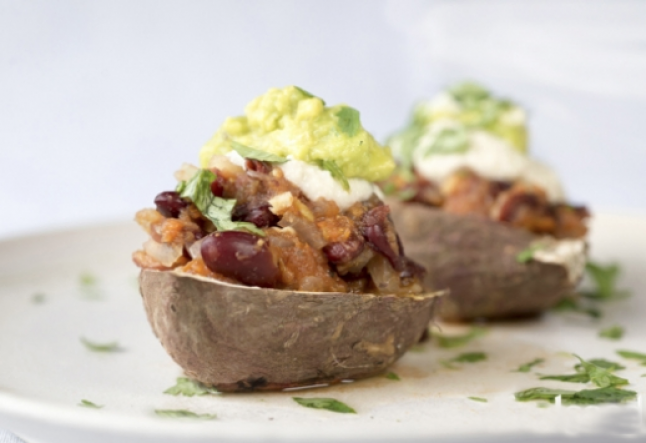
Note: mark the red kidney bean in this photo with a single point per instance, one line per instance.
(374, 230)
(516, 202)
(258, 166)
(496, 187)
(258, 214)
(343, 252)
(169, 204)
(240, 255)
(375, 225)
(217, 186)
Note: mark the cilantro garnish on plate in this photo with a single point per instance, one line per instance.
(325, 403)
(189, 388)
(529, 365)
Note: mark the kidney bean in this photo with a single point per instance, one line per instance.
(374, 230)
(258, 166)
(343, 252)
(258, 214)
(496, 187)
(217, 186)
(375, 225)
(169, 204)
(240, 255)
(518, 201)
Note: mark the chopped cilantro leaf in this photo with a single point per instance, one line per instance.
(541, 394)
(186, 386)
(480, 399)
(470, 357)
(467, 357)
(448, 141)
(101, 347)
(325, 403)
(527, 254)
(580, 377)
(336, 172)
(88, 404)
(528, 366)
(216, 209)
(405, 142)
(633, 356)
(198, 189)
(38, 298)
(468, 91)
(256, 154)
(183, 413)
(454, 341)
(605, 280)
(86, 279)
(608, 394)
(89, 286)
(349, 122)
(602, 363)
(308, 94)
(406, 194)
(585, 397)
(600, 376)
(573, 305)
(588, 371)
(389, 188)
(392, 376)
(612, 333)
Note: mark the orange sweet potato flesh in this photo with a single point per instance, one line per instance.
(240, 338)
(475, 258)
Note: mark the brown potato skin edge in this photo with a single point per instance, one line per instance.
(475, 258)
(239, 338)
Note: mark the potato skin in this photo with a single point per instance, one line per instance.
(239, 338)
(475, 258)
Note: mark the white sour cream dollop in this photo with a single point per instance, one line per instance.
(490, 157)
(318, 183)
(569, 253)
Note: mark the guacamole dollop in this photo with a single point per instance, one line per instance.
(290, 122)
(443, 125)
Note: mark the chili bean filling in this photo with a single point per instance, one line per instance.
(307, 246)
(517, 204)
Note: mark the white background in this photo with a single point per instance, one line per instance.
(101, 101)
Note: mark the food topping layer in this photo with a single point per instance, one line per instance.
(251, 225)
(316, 182)
(492, 158)
(515, 203)
(292, 123)
(467, 127)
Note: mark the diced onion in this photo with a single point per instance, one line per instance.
(383, 275)
(165, 253)
(195, 250)
(306, 230)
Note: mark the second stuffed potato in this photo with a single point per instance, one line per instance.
(485, 219)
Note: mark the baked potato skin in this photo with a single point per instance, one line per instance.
(240, 338)
(475, 258)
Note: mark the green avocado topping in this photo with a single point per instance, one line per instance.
(292, 123)
(443, 125)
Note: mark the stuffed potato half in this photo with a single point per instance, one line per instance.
(275, 263)
(486, 220)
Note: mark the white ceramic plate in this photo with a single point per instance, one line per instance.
(45, 371)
